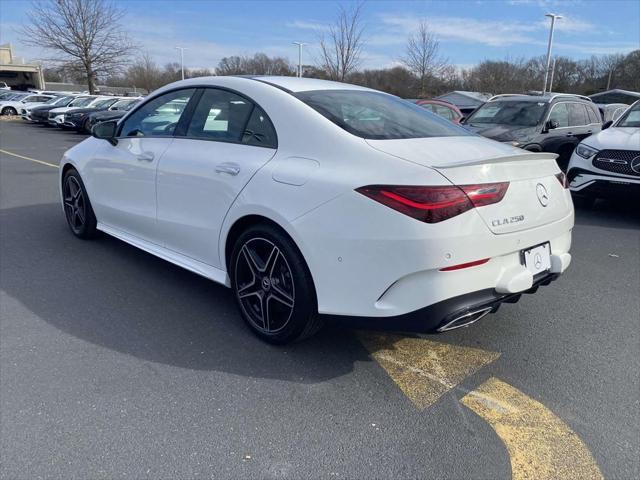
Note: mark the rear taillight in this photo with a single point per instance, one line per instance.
(562, 178)
(432, 204)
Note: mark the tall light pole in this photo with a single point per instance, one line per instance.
(300, 45)
(182, 49)
(553, 17)
(553, 70)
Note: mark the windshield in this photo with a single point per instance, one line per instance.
(124, 104)
(524, 114)
(64, 101)
(631, 118)
(82, 102)
(52, 101)
(103, 103)
(378, 116)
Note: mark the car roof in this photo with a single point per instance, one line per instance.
(289, 84)
(297, 84)
(546, 98)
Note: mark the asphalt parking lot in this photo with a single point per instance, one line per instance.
(115, 364)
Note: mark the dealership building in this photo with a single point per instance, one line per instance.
(18, 74)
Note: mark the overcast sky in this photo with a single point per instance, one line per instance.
(469, 30)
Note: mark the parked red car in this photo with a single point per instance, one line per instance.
(443, 109)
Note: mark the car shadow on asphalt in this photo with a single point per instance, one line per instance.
(114, 295)
(614, 213)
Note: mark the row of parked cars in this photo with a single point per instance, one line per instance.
(66, 110)
(597, 145)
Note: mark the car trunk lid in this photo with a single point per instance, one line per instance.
(535, 195)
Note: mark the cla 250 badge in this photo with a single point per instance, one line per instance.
(507, 220)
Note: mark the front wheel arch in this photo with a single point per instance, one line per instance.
(532, 147)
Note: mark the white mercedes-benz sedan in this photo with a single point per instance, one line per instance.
(313, 199)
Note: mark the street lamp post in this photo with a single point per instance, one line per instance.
(300, 45)
(553, 71)
(553, 17)
(182, 49)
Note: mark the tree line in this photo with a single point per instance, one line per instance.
(95, 48)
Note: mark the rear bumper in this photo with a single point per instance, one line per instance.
(388, 265)
(460, 311)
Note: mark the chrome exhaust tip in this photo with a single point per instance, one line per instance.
(465, 319)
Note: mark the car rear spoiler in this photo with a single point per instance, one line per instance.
(500, 159)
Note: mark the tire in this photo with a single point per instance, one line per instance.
(583, 202)
(86, 128)
(77, 207)
(9, 111)
(269, 274)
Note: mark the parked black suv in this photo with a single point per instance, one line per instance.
(540, 123)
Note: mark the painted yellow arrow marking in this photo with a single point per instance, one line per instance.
(424, 370)
(540, 445)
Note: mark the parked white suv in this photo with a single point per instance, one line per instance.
(608, 163)
(15, 107)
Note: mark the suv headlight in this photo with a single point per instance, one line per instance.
(585, 151)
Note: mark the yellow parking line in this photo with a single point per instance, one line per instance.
(540, 445)
(29, 158)
(424, 370)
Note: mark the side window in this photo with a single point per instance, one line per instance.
(158, 117)
(577, 114)
(593, 115)
(444, 112)
(220, 115)
(560, 114)
(260, 131)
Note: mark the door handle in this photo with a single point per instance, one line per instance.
(228, 168)
(146, 157)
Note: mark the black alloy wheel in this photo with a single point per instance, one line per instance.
(273, 286)
(77, 208)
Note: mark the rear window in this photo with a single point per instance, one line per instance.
(378, 116)
(509, 112)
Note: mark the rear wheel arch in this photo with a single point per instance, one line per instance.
(242, 224)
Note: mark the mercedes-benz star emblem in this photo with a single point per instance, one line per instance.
(635, 164)
(543, 196)
(537, 261)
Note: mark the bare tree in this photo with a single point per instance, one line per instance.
(340, 51)
(423, 57)
(259, 64)
(609, 64)
(85, 34)
(145, 73)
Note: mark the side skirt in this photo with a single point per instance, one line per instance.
(202, 269)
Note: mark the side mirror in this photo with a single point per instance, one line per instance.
(606, 125)
(551, 125)
(106, 131)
